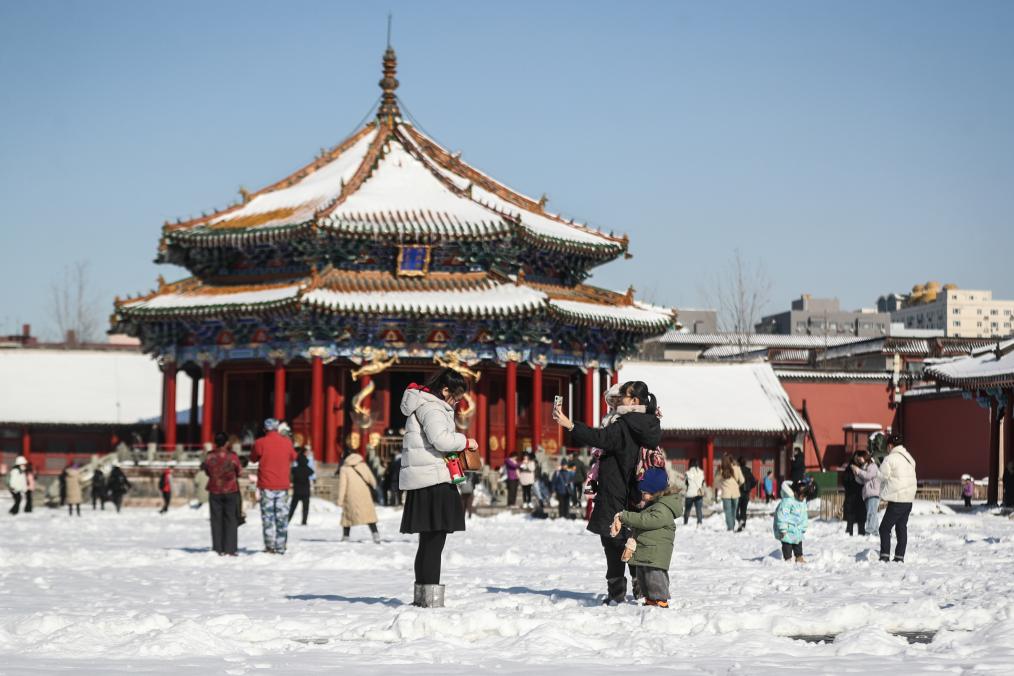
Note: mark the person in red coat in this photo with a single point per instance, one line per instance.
(223, 469)
(165, 487)
(274, 454)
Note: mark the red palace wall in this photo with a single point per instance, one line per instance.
(947, 435)
(831, 406)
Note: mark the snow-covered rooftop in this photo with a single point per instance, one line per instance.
(985, 367)
(82, 387)
(676, 337)
(718, 398)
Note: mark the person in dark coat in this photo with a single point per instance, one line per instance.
(118, 485)
(223, 469)
(798, 468)
(393, 470)
(165, 487)
(749, 482)
(1008, 484)
(99, 493)
(854, 507)
(301, 474)
(621, 442)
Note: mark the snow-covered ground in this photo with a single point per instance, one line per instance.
(138, 592)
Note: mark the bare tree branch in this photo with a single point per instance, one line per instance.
(72, 304)
(740, 293)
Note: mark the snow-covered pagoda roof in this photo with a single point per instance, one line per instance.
(362, 293)
(391, 181)
(985, 367)
(717, 399)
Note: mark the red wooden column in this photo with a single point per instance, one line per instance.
(482, 417)
(1008, 426)
(993, 491)
(536, 407)
(589, 397)
(329, 453)
(512, 408)
(169, 414)
(364, 432)
(208, 410)
(757, 476)
(279, 412)
(26, 443)
(709, 470)
(614, 378)
(317, 405)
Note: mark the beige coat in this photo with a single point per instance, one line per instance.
(355, 494)
(729, 487)
(73, 486)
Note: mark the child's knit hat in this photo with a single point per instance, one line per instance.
(655, 480)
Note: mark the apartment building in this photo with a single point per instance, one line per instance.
(960, 313)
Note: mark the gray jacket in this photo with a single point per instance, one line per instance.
(430, 433)
(870, 478)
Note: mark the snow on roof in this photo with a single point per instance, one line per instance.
(810, 374)
(677, 337)
(984, 368)
(489, 300)
(717, 398)
(81, 387)
(638, 313)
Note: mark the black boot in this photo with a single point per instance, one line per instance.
(616, 590)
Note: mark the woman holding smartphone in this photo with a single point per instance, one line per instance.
(637, 427)
(432, 503)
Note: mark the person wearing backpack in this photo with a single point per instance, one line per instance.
(749, 483)
(636, 427)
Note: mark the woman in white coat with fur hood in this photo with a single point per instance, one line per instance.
(432, 503)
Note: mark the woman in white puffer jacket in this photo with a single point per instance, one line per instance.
(898, 485)
(432, 502)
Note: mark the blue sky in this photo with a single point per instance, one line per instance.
(853, 148)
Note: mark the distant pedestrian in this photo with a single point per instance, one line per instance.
(30, 488)
(654, 533)
(511, 465)
(99, 490)
(467, 490)
(769, 486)
(798, 467)
(165, 487)
(967, 491)
(118, 485)
(869, 474)
(73, 481)
(580, 470)
(223, 469)
(898, 485)
(17, 483)
(853, 507)
(201, 494)
(563, 486)
(749, 482)
(301, 474)
(274, 454)
(432, 503)
(695, 493)
(356, 486)
(526, 477)
(1008, 484)
(392, 476)
(791, 519)
(728, 480)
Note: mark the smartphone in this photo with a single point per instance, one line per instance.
(558, 402)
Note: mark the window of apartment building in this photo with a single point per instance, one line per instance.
(955, 311)
(978, 311)
(954, 296)
(994, 325)
(957, 322)
(1007, 311)
(994, 311)
(979, 324)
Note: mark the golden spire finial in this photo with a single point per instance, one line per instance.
(389, 101)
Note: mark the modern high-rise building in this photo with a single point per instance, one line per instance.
(961, 313)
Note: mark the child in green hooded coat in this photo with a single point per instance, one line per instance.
(654, 534)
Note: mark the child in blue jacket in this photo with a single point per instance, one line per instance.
(791, 518)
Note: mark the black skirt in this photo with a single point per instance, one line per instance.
(434, 508)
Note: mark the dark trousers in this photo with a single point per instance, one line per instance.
(117, 500)
(17, 503)
(28, 501)
(297, 499)
(896, 517)
(348, 529)
(698, 504)
(512, 492)
(613, 548)
(564, 501)
(467, 499)
(968, 501)
(224, 510)
(744, 500)
(70, 509)
(526, 494)
(789, 550)
(166, 497)
(101, 499)
(850, 525)
(427, 557)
